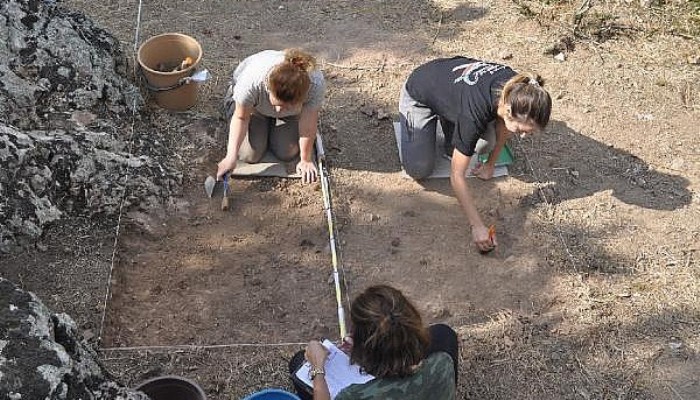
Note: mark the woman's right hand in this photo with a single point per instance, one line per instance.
(483, 171)
(483, 240)
(224, 166)
(316, 354)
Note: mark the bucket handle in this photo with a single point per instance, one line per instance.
(182, 81)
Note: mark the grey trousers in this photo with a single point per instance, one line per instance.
(281, 135)
(419, 134)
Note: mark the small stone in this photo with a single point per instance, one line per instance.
(64, 71)
(88, 335)
(694, 60)
(574, 173)
(83, 118)
(677, 163)
(506, 55)
(381, 114)
(367, 110)
(561, 57)
(395, 242)
(675, 346)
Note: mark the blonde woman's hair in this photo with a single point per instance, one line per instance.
(289, 81)
(527, 98)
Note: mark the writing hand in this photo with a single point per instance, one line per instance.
(316, 354)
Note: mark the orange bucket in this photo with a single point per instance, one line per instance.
(166, 62)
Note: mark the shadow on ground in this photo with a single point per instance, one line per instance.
(571, 165)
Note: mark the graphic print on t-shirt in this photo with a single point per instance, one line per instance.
(472, 71)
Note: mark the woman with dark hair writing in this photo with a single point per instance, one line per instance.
(408, 360)
(273, 102)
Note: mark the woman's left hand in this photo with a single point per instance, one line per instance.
(483, 171)
(307, 170)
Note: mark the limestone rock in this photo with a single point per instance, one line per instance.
(42, 355)
(64, 94)
(54, 61)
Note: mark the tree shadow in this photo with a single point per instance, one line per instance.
(567, 165)
(576, 166)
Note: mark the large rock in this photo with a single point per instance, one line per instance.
(54, 61)
(69, 125)
(46, 174)
(42, 356)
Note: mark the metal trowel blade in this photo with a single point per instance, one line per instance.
(210, 185)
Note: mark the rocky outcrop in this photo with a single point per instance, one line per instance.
(54, 61)
(69, 124)
(42, 356)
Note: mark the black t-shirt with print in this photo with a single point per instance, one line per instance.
(464, 91)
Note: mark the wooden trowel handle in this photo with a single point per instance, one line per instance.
(224, 203)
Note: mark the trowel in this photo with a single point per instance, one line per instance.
(212, 186)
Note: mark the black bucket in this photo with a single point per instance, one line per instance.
(171, 388)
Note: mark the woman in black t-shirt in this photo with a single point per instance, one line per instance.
(479, 106)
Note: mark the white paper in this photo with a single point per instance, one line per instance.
(339, 372)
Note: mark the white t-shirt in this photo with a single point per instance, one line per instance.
(250, 84)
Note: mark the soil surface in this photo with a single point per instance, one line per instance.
(592, 292)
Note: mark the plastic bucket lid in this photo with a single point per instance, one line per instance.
(171, 388)
(167, 51)
(272, 394)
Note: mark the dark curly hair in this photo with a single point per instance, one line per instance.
(389, 338)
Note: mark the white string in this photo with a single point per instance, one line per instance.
(195, 347)
(126, 181)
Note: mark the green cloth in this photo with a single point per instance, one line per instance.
(505, 158)
(434, 380)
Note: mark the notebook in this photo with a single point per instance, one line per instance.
(339, 372)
